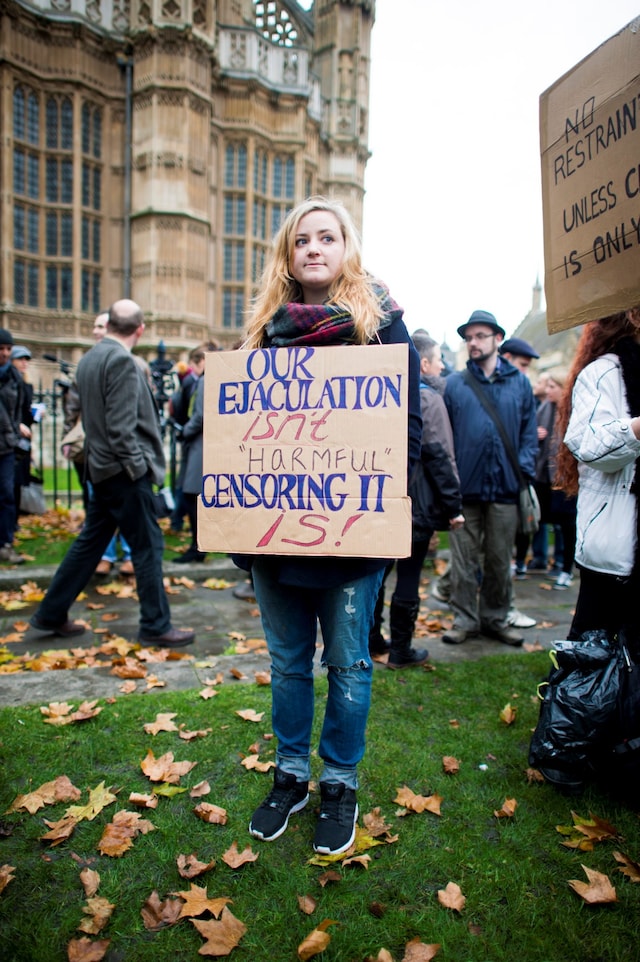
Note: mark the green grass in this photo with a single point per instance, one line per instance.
(45, 539)
(513, 872)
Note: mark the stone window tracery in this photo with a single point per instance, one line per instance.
(45, 172)
(275, 23)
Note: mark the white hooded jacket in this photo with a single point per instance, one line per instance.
(600, 437)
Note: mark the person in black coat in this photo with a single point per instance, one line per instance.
(20, 357)
(11, 402)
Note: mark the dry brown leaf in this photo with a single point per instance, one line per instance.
(143, 800)
(508, 809)
(87, 950)
(450, 765)
(597, 829)
(152, 681)
(362, 860)
(330, 876)
(307, 904)
(59, 831)
(250, 715)
(417, 951)
(508, 714)
(197, 901)
(157, 915)
(208, 693)
(598, 891)
(90, 881)
(128, 668)
(189, 736)
(56, 709)
(211, 813)
(234, 859)
(58, 790)
(164, 769)
(418, 803)
(118, 835)
(533, 775)
(163, 723)
(6, 876)
(383, 956)
(128, 687)
(253, 763)
(222, 934)
(218, 680)
(262, 677)
(189, 866)
(99, 911)
(629, 868)
(317, 940)
(375, 824)
(451, 897)
(239, 674)
(202, 788)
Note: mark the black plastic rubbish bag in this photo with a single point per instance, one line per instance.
(579, 715)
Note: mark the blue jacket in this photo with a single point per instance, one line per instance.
(485, 470)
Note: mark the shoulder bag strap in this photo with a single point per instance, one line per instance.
(492, 412)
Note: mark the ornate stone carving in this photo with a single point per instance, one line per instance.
(171, 9)
(93, 12)
(238, 50)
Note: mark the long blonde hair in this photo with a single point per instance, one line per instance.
(353, 289)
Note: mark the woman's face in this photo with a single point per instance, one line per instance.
(22, 364)
(433, 365)
(318, 254)
(554, 391)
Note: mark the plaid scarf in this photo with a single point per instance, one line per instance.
(321, 324)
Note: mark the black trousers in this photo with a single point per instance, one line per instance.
(605, 601)
(128, 505)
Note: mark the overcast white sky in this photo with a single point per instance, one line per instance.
(453, 212)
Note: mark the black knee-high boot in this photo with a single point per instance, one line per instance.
(378, 645)
(403, 619)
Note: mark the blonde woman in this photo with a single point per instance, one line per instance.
(316, 292)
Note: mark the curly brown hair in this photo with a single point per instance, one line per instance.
(597, 338)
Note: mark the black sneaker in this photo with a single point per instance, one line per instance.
(336, 827)
(286, 797)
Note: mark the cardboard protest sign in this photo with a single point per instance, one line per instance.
(590, 146)
(305, 452)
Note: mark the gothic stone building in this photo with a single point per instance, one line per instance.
(150, 149)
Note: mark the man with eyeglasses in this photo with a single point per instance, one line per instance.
(490, 486)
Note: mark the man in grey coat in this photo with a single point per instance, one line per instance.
(125, 459)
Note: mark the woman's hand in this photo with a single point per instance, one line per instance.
(456, 522)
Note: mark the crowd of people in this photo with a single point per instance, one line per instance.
(474, 438)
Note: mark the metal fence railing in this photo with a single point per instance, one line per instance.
(58, 473)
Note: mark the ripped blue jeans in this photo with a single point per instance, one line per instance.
(290, 617)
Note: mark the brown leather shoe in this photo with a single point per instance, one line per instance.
(126, 568)
(508, 636)
(103, 567)
(173, 638)
(65, 630)
(457, 636)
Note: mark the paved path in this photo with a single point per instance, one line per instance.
(219, 620)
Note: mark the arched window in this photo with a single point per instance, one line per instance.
(52, 123)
